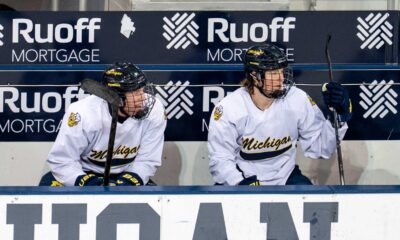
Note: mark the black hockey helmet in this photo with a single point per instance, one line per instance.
(263, 58)
(124, 77)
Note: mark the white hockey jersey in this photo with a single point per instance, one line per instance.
(82, 142)
(263, 143)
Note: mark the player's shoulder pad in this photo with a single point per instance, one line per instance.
(299, 100)
(232, 106)
(297, 96)
(88, 105)
(158, 111)
(87, 108)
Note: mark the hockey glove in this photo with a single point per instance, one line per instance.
(250, 181)
(129, 179)
(336, 96)
(89, 180)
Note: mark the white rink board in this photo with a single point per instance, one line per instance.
(186, 163)
(359, 216)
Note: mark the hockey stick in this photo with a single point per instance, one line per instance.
(335, 116)
(113, 99)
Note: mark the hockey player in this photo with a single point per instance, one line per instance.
(78, 155)
(253, 132)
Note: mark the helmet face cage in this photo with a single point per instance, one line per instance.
(137, 95)
(267, 69)
(275, 83)
(138, 104)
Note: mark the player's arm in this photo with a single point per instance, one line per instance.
(64, 156)
(316, 133)
(150, 152)
(222, 148)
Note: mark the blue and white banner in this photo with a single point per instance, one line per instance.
(33, 113)
(192, 37)
(195, 60)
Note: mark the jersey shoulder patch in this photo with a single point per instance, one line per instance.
(79, 110)
(311, 100)
(74, 119)
(218, 112)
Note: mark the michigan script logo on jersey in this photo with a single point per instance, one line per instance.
(74, 119)
(121, 155)
(272, 147)
(121, 150)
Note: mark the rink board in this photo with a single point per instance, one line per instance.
(279, 212)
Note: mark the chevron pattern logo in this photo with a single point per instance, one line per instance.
(378, 99)
(1, 35)
(374, 31)
(180, 31)
(176, 98)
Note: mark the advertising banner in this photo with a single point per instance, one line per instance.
(192, 37)
(194, 58)
(32, 103)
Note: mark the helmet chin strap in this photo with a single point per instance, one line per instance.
(140, 114)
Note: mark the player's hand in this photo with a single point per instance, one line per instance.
(89, 180)
(250, 181)
(129, 179)
(337, 97)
